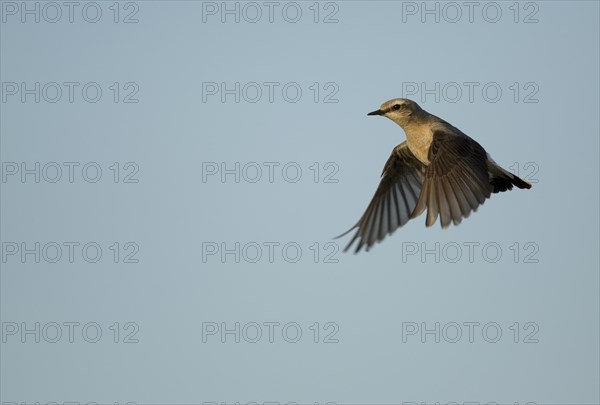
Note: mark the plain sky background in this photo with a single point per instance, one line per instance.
(372, 53)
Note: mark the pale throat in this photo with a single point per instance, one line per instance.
(419, 138)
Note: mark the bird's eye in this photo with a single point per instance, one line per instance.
(396, 106)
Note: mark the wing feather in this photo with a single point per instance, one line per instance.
(456, 180)
(394, 200)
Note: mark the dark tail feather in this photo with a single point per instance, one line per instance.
(505, 181)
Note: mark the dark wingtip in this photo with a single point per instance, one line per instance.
(345, 233)
(351, 240)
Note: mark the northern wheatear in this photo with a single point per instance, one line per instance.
(438, 167)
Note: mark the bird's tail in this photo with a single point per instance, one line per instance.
(503, 180)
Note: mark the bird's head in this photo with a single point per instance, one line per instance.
(399, 110)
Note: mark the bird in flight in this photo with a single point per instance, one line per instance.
(438, 168)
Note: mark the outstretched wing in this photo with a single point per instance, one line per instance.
(456, 180)
(394, 200)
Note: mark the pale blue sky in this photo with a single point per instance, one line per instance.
(546, 276)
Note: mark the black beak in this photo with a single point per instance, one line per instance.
(377, 112)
